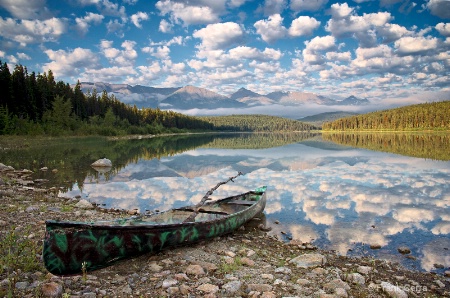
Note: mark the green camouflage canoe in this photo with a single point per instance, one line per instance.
(72, 247)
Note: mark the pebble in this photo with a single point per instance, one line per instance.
(309, 260)
(404, 250)
(393, 291)
(51, 289)
(232, 287)
(208, 288)
(195, 270)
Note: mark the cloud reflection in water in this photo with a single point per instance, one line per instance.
(339, 198)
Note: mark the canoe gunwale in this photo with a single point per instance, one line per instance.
(152, 225)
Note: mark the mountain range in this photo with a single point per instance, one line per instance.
(191, 97)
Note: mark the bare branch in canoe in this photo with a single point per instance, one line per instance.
(207, 198)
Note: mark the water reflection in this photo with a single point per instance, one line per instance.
(425, 145)
(338, 197)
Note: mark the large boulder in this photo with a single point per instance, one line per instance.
(103, 162)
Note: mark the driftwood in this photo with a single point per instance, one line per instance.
(207, 198)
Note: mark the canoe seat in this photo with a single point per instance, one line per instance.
(242, 202)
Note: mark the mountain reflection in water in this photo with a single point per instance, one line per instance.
(338, 197)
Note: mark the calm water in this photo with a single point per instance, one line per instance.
(321, 191)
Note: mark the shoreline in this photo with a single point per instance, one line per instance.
(247, 263)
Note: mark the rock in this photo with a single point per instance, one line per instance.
(103, 162)
(438, 266)
(355, 278)
(84, 204)
(375, 246)
(283, 270)
(259, 287)
(232, 287)
(268, 295)
(248, 262)
(127, 289)
(51, 289)
(195, 270)
(393, 291)
(447, 273)
(309, 260)
(303, 282)
(208, 288)
(440, 283)
(267, 276)
(404, 250)
(44, 169)
(170, 282)
(364, 269)
(5, 168)
(330, 287)
(22, 285)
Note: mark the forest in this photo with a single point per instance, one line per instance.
(259, 123)
(35, 104)
(426, 116)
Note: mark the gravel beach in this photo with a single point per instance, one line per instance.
(247, 263)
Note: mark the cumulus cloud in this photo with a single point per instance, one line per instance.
(303, 25)
(82, 24)
(220, 35)
(307, 5)
(165, 26)
(138, 17)
(70, 63)
(125, 57)
(440, 8)
(271, 7)
(24, 9)
(415, 45)
(271, 29)
(188, 14)
(32, 31)
(444, 29)
(106, 7)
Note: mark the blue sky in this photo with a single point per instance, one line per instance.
(388, 50)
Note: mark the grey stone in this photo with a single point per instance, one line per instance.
(103, 162)
(393, 291)
(309, 260)
(84, 204)
(22, 285)
(232, 287)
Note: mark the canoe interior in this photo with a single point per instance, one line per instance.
(69, 244)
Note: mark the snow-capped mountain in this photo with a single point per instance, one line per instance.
(191, 97)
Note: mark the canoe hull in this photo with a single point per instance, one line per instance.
(70, 248)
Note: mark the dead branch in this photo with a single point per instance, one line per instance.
(207, 198)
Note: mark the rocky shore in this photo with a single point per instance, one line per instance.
(248, 263)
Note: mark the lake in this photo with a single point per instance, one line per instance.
(339, 192)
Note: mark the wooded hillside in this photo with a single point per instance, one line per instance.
(36, 104)
(257, 123)
(426, 116)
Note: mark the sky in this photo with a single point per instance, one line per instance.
(388, 50)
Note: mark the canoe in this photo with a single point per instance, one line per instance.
(72, 247)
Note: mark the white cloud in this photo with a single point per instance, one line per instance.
(189, 15)
(444, 29)
(303, 25)
(415, 45)
(82, 25)
(138, 17)
(25, 9)
(70, 63)
(271, 29)
(340, 11)
(321, 43)
(440, 8)
(165, 26)
(220, 35)
(274, 7)
(307, 5)
(125, 57)
(32, 31)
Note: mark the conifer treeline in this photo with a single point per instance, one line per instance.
(426, 116)
(259, 123)
(32, 103)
